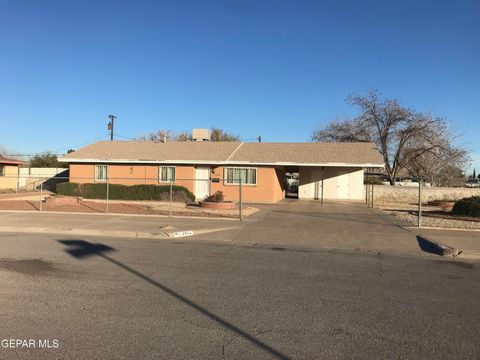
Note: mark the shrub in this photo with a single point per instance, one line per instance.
(124, 192)
(217, 197)
(467, 207)
(374, 180)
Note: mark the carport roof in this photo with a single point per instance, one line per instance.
(191, 152)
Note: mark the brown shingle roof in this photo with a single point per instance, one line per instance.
(229, 152)
(315, 153)
(4, 160)
(155, 151)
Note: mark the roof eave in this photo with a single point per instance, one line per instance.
(217, 162)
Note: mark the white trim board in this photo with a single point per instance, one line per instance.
(214, 162)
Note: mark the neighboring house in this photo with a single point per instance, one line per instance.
(206, 167)
(9, 169)
(32, 178)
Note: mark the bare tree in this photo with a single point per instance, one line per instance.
(442, 164)
(3, 151)
(158, 135)
(217, 134)
(183, 136)
(401, 134)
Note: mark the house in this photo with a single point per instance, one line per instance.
(331, 170)
(206, 167)
(9, 169)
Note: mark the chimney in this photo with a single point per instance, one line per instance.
(201, 135)
(163, 137)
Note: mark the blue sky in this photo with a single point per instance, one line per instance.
(273, 68)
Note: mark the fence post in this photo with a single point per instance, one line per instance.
(240, 205)
(420, 204)
(171, 198)
(41, 196)
(108, 193)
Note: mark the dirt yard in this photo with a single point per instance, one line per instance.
(31, 202)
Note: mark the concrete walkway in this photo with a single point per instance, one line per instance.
(346, 226)
(332, 226)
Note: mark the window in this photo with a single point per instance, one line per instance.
(248, 176)
(2, 170)
(101, 172)
(166, 174)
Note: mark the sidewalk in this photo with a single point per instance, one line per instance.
(132, 226)
(466, 243)
(285, 225)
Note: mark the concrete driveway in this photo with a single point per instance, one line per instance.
(338, 225)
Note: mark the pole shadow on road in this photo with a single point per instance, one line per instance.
(82, 249)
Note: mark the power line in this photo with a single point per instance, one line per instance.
(125, 137)
(58, 151)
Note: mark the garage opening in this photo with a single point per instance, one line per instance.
(292, 181)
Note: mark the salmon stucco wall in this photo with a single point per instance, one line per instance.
(9, 180)
(269, 187)
(132, 174)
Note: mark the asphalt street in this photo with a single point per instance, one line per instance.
(106, 298)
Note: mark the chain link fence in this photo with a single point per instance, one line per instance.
(422, 205)
(120, 195)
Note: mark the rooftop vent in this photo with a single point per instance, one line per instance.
(201, 135)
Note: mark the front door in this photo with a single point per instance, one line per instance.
(202, 182)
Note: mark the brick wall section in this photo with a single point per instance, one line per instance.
(410, 194)
(269, 187)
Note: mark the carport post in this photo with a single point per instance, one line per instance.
(373, 193)
(366, 186)
(323, 177)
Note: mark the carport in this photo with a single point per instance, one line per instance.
(327, 182)
(331, 183)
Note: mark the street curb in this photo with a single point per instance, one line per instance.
(469, 254)
(436, 247)
(111, 233)
(84, 232)
(440, 228)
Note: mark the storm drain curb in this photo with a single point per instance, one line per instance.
(436, 247)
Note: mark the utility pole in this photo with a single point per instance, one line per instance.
(111, 125)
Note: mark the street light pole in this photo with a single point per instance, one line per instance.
(111, 125)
